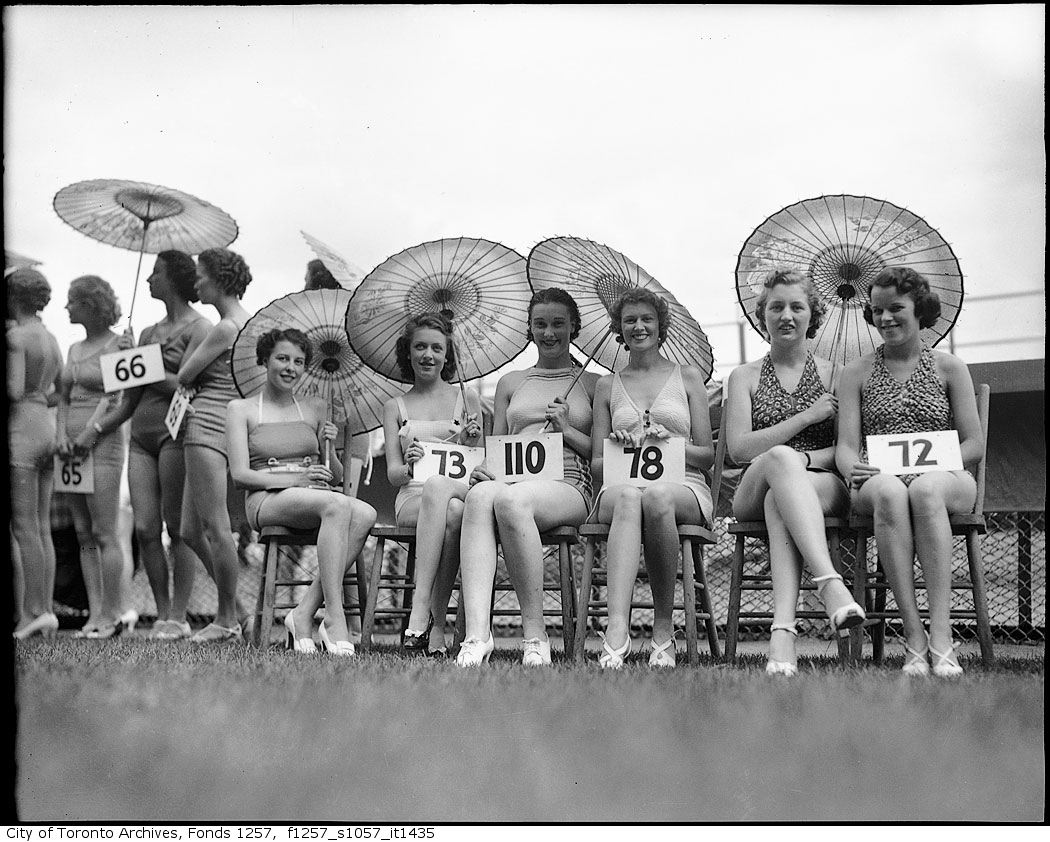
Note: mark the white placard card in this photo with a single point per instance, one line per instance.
(176, 412)
(519, 458)
(441, 459)
(655, 460)
(915, 453)
(134, 367)
(75, 475)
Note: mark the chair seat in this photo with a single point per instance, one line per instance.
(696, 533)
(961, 524)
(757, 528)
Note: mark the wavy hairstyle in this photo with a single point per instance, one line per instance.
(910, 283)
(228, 269)
(777, 277)
(182, 272)
(265, 344)
(98, 295)
(434, 321)
(27, 288)
(556, 295)
(639, 295)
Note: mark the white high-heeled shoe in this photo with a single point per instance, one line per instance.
(342, 648)
(942, 666)
(915, 665)
(302, 645)
(784, 668)
(849, 615)
(613, 659)
(474, 652)
(660, 657)
(46, 625)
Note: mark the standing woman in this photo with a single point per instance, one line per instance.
(528, 402)
(781, 415)
(156, 465)
(906, 387)
(34, 363)
(432, 410)
(82, 402)
(275, 443)
(651, 396)
(222, 277)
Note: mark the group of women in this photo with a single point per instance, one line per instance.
(799, 437)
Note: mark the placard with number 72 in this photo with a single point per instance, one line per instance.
(915, 453)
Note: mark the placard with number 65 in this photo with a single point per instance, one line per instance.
(75, 475)
(915, 453)
(655, 460)
(520, 458)
(134, 367)
(447, 460)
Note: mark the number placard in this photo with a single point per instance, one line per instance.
(915, 453)
(519, 458)
(656, 460)
(133, 367)
(454, 461)
(75, 475)
(176, 412)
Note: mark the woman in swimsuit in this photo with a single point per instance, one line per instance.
(528, 401)
(34, 363)
(433, 410)
(275, 441)
(650, 397)
(156, 462)
(787, 435)
(222, 277)
(906, 387)
(82, 402)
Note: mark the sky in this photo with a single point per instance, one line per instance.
(667, 133)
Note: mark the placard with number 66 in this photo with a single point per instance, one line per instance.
(447, 460)
(915, 453)
(138, 366)
(75, 475)
(655, 460)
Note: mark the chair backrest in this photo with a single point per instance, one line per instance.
(720, 457)
(984, 392)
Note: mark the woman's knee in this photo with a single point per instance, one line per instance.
(439, 488)
(927, 494)
(513, 504)
(887, 493)
(454, 515)
(658, 501)
(780, 458)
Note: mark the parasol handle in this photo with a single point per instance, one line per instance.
(579, 374)
(328, 442)
(138, 270)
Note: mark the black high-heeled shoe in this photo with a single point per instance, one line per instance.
(413, 644)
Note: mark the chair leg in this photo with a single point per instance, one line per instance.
(689, 598)
(735, 586)
(373, 595)
(567, 618)
(980, 600)
(362, 584)
(269, 593)
(860, 593)
(845, 642)
(408, 594)
(583, 605)
(705, 601)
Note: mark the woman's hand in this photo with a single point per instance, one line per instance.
(187, 393)
(85, 442)
(471, 427)
(64, 447)
(480, 474)
(558, 414)
(861, 473)
(329, 432)
(823, 408)
(126, 339)
(413, 453)
(626, 438)
(315, 475)
(657, 431)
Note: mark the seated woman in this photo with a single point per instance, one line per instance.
(274, 441)
(787, 434)
(906, 387)
(433, 410)
(528, 401)
(650, 397)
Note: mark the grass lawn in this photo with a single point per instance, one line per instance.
(137, 730)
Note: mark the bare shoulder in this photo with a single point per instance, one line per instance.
(590, 379)
(603, 386)
(693, 379)
(510, 381)
(857, 371)
(745, 375)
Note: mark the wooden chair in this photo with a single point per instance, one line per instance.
(872, 585)
(834, 527)
(562, 537)
(691, 575)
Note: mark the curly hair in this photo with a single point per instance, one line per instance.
(817, 308)
(910, 283)
(182, 273)
(556, 295)
(434, 321)
(265, 344)
(98, 296)
(27, 288)
(639, 295)
(227, 269)
(318, 276)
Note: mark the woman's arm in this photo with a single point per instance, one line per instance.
(16, 366)
(601, 427)
(700, 453)
(505, 387)
(398, 473)
(327, 432)
(847, 448)
(578, 440)
(964, 407)
(218, 339)
(474, 422)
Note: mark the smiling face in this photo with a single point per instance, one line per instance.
(893, 314)
(551, 327)
(787, 314)
(285, 365)
(427, 352)
(640, 326)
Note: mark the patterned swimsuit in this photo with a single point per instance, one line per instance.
(772, 403)
(918, 405)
